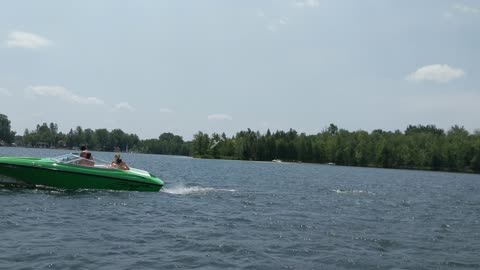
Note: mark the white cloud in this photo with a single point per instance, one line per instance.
(62, 93)
(5, 92)
(466, 9)
(123, 106)
(165, 110)
(436, 73)
(219, 117)
(306, 3)
(283, 21)
(27, 40)
(275, 25)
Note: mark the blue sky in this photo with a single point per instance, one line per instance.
(150, 67)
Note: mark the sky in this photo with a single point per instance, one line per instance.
(149, 67)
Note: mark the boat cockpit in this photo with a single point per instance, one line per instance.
(76, 159)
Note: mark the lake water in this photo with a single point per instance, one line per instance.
(215, 214)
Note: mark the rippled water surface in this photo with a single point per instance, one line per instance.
(215, 214)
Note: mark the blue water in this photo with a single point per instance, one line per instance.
(216, 214)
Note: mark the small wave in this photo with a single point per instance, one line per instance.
(354, 191)
(183, 190)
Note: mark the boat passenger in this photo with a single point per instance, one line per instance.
(114, 161)
(119, 163)
(88, 160)
(84, 152)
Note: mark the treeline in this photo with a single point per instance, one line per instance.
(48, 136)
(418, 147)
(103, 140)
(100, 139)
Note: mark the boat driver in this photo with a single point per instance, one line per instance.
(88, 160)
(84, 152)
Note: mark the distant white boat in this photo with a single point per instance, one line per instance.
(277, 160)
(331, 163)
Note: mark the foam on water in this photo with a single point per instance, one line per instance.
(354, 191)
(184, 190)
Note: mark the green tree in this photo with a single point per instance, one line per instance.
(200, 144)
(102, 138)
(90, 139)
(458, 152)
(6, 134)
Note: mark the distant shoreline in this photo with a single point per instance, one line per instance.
(419, 147)
(265, 161)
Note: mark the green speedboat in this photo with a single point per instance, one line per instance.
(74, 172)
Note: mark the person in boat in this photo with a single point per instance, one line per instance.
(84, 152)
(114, 161)
(87, 160)
(119, 163)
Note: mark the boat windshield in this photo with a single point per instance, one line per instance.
(68, 158)
(74, 158)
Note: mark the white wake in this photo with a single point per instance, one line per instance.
(184, 190)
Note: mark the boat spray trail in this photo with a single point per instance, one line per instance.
(181, 189)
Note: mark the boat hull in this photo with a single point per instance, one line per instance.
(36, 171)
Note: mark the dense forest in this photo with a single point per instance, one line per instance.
(48, 136)
(418, 147)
